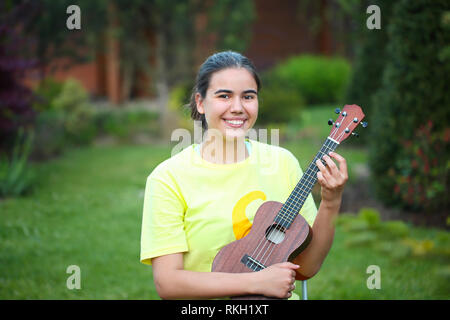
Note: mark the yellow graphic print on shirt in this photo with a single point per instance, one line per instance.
(241, 224)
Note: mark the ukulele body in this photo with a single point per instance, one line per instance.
(244, 255)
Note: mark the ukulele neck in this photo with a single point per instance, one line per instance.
(298, 196)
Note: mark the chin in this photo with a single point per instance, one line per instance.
(234, 137)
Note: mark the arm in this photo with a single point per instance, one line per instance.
(332, 180)
(173, 282)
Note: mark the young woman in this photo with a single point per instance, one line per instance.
(206, 196)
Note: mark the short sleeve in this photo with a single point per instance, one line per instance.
(162, 221)
(309, 209)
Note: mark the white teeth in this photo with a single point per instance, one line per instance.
(235, 122)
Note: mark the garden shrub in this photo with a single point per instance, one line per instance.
(317, 79)
(49, 133)
(16, 177)
(409, 133)
(65, 117)
(279, 100)
(370, 58)
(46, 93)
(125, 123)
(73, 102)
(390, 237)
(16, 98)
(179, 98)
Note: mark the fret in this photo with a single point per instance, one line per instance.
(298, 196)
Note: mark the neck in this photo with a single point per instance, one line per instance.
(298, 196)
(223, 150)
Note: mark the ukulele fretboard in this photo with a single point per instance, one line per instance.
(298, 196)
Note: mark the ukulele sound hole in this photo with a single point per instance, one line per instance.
(275, 233)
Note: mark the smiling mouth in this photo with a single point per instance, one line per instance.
(235, 123)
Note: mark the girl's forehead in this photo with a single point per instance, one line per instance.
(237, 78)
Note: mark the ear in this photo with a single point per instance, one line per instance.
(199, 103)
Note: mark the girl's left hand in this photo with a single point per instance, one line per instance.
(332, 178)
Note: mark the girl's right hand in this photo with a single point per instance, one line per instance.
(275, 281)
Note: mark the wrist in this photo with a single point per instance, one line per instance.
(251, 285)
(331, 204)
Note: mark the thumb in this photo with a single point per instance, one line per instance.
(289, 265)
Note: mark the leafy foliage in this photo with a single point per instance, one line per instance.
(16, 177)
(370, 57)
(421, 177)
(279, 99)
(232, 20)
(124, 123)
(389, 237)
(317, 79)
(409, 135)
(15, 98)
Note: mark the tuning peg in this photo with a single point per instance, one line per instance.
(330, 122)
(364, 124)
(344, 114)
(355, 120)
(337, 110)
(355, 134)
(347, 130)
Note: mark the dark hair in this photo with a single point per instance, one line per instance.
(217, 62)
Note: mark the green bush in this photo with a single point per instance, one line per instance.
(279, 100)
(66, 117)
(179, 97)
(409, 134)
(125, 123)
(46, 93)
(389, 237)
(421, 173)
(73, 102)
(370, 59)
(16, 177)
(317, 79)
(49, 132)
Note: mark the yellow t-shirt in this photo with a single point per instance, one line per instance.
(197, 207)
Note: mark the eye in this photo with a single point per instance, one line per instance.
(224, 96)
(249, 97)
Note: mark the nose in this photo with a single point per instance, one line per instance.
(236, 105)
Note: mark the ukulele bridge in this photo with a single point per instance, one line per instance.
(251, 263)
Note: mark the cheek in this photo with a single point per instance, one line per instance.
(252, 109)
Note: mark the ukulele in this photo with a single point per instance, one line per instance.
(279, 233)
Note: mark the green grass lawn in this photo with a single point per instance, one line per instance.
(86, 208)
(86, 211)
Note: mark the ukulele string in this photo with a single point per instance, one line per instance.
(333, 134)
(271, 245)
(341, 125)
(279, 237)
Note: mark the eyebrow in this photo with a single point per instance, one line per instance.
(229, 91)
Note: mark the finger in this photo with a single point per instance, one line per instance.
(325, 170)
(321, 166)
(322, 180)
(289, 265)
(331, 165)
(294, 273)
(342, 163)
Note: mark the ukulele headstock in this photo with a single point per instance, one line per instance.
(346, 122)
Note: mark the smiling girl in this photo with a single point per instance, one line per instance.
(206, 196)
